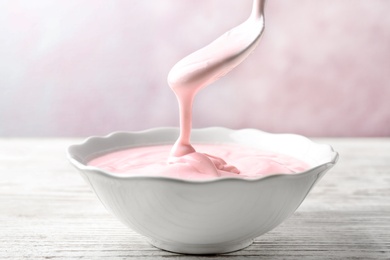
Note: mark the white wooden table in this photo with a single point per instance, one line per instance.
(48, 212)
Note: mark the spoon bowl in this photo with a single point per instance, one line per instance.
(215, 60)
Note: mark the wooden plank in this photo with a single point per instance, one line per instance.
(48, 212)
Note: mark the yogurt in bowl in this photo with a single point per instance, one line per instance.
(208, 215)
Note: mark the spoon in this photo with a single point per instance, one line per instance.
(210, 63)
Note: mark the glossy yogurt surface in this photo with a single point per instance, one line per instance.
(152, 161)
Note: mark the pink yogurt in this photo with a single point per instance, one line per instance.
(152, 161)
(198, 70)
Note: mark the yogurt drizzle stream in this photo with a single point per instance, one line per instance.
(204, 67)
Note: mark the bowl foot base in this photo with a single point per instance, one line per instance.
(200, 249)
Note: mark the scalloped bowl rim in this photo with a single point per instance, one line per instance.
(82, 166)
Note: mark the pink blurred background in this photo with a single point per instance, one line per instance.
(90, 67)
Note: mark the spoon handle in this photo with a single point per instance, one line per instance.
(258, 8)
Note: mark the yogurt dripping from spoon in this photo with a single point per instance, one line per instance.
(200, 69)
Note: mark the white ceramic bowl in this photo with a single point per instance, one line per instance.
(203, 217)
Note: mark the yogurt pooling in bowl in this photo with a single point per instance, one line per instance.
(203, 165)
